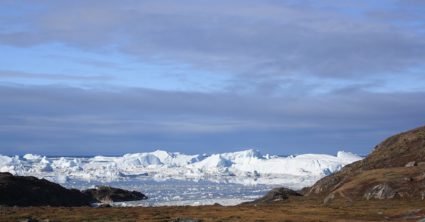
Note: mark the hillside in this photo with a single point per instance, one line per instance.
(395, 169)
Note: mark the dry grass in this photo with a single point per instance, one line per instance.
(406, 180)
(298, 209)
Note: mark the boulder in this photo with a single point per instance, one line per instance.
(111, 194)
(329, 198)
(104, 205)
(276, 195)
(411, 164)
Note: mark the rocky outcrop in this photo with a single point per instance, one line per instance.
(110, 194)
(393, 169)
(411, 164)
(30, 191)
(381, 192)
(277, 195)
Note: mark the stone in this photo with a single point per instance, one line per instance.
(421, 164)
(411, 164)
(105, 205)
(329, 198)
(277, 194)
(108, 194)
(29, 219)
(185, 220)
(381, 192)
(423, 195)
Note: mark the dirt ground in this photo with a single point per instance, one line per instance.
(297, 209)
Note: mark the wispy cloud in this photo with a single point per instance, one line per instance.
(247, 37)
(49, 76)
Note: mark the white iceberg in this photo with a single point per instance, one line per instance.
(243, 167)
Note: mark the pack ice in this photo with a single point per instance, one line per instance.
(243, 167)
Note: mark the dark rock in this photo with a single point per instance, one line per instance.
(277, 194)
(185, 220)
(105, 205)
(29, 219)
(31, 191)
(108, 194)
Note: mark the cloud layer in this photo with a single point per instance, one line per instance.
(282, 76)
(73, 120)
(243, 37)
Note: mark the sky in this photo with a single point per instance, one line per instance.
(283, 77)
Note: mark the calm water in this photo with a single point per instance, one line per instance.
(183, 192)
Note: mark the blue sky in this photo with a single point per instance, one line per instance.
(284, 77)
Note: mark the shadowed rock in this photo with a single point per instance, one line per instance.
(108, 194)
(276, 195)
(30, 191)
(185, 220)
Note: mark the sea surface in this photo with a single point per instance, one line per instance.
(182, 192)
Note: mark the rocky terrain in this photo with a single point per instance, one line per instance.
(395, 169)
(31, 191)
(275, 195)
(110, 194)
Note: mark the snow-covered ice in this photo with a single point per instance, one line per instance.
(247, 169)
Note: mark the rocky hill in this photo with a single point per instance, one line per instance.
(31, 191)
(395, 169)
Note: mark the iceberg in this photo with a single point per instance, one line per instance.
(243, 167)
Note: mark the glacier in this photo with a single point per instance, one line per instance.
(204, 178)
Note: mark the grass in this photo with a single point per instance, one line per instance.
(296, 209)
